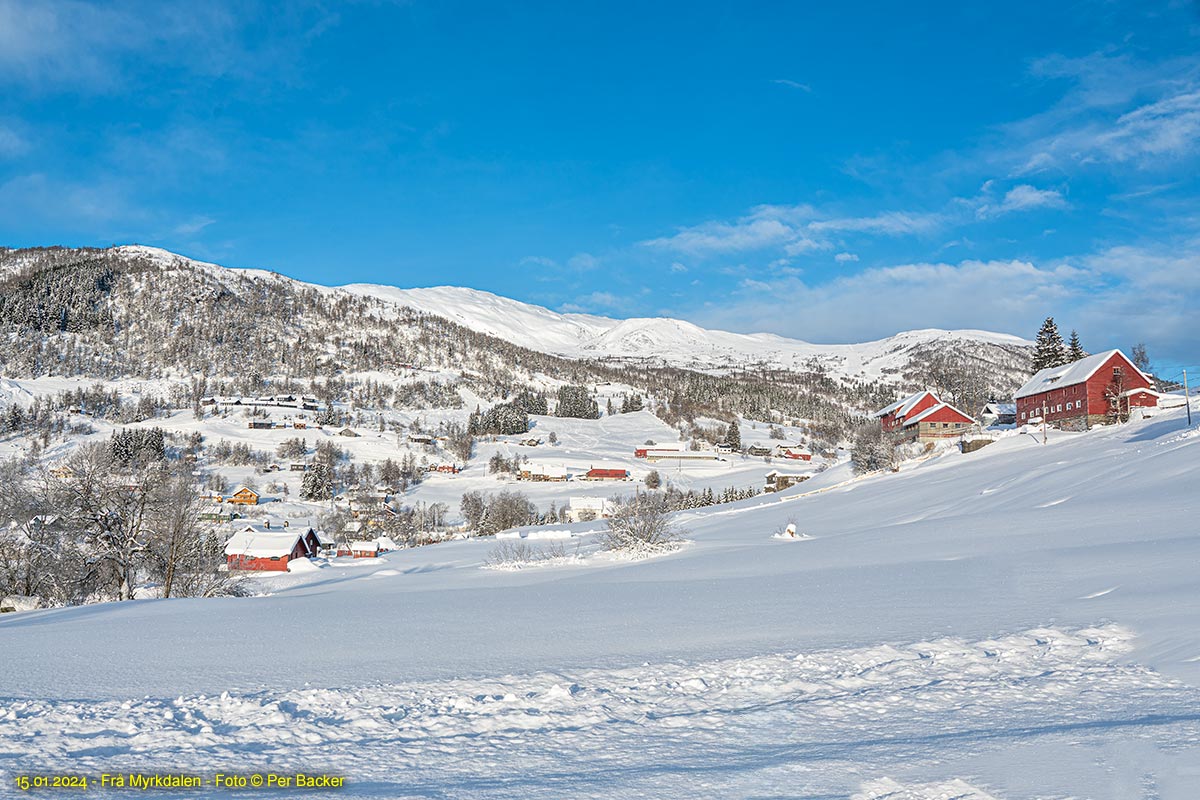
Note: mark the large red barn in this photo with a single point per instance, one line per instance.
(597, 474)
(893, 417)
(1100, 388)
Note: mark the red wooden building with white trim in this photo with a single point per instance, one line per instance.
(1101, 388)
(892, 417)
(263, 548)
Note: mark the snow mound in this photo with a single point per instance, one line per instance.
(888, 789)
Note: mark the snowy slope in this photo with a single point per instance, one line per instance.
(1014, 623)
(672, 341)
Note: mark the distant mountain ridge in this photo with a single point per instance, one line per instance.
(128, 297)
(665, 340)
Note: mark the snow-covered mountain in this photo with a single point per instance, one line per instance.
(673, 341)
(133, 292)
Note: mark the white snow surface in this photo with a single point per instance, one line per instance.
(1016, 623)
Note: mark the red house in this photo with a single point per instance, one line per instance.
(364, 549)
(267, 549)
(893, 417)
(942, 421)
(1100, 388)
(607, 475)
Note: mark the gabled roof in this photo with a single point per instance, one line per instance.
(933, 410)
(262, 544)
(241, 489)
(902, 407)
(1071, 374)
(1000, 408)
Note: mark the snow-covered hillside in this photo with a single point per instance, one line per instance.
(1015, 623)
(660, 341)
(670, 341)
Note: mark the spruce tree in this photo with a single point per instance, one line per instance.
(318, 483)
(1075, 350)
(733, 436)
(1048, 349)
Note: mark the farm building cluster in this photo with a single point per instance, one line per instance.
(1097, 389)
(269, 545)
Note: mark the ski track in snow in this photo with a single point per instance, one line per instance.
(825, 724)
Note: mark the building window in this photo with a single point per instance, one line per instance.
(1069, 406)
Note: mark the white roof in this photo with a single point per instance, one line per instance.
(547, 469)
(243, 487)
(1000, 408)
(932, 410)
(902, 407)
(589, 504)
(1071, 374)
(262, 544)
(371, 546)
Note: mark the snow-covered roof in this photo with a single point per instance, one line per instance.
(551, 470)
(1000, 408)
(262, 544)
(902, 407)
(367, 546)
(242, 488)
(589, 504)
(1071, 374)
(933, 410)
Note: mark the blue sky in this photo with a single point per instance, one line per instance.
(829, 171)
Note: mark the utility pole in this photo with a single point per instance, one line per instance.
(1187, 401)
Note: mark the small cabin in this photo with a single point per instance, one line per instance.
(364, 549)
(778, 481)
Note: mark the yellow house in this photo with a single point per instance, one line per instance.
(244, 496)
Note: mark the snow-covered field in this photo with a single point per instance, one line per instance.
(1021, 622)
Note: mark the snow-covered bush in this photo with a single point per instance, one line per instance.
(516, 554)
(874, 449)
(641, 525)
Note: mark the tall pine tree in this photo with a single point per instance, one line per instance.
(1075, 350)
(1048, 349)
(733, 435)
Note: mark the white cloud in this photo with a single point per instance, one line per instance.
(1113, 297)
(36, 200)
(796, 229)
(845, 258)
(582, 262)
(192, 226)
(12, 144)
(678, 267)
(724, 237)
(891, 223)
(1023, 197)
(593, 302)
(1117, 110)
(804, 87)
